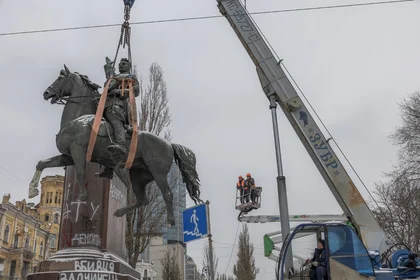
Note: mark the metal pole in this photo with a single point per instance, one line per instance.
(281, 186)
(178, 222)
(185, 263)
(211, 270)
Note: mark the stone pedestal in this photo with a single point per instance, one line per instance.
(92, 239)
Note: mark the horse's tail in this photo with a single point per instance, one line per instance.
(185, 159)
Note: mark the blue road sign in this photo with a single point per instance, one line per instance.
(195, 224)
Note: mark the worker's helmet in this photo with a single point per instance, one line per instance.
(240, 177)
(248, 174)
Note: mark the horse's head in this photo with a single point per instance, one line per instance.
(72, 86)
(61, 87)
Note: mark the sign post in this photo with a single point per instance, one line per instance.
(196, 226)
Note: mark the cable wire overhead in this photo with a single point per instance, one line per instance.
(205, 17)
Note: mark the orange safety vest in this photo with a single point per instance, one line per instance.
(239, 184)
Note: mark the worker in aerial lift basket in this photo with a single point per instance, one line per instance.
(250, 184)
(240, 186)
(319, 262)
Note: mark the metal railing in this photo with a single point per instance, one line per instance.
(242, 199)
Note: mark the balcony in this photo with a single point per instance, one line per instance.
(26, 252)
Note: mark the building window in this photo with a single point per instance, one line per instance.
(145, 275)
(35, 247)
(56, 197)
(6, 234)
(27, 242)
(16, 241)
(51, 195)
(47, 217)
(56, 218)
(1, 264)
(41, 247)
(53, 238)
(59, 197)
(12, 270)
(25, 269)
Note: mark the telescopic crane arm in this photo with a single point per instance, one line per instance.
(277, 87)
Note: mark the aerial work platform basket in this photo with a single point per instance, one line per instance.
(248, 206)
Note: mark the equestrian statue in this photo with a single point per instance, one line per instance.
(153, 156)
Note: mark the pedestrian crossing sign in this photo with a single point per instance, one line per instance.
(195, 222)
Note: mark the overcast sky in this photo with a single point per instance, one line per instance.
(353, 64)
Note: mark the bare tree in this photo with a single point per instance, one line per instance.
(398, 210)
(206, 259)
(244, 268)
(407, 137)
(170, 266)
(146, 223)
(398, 198)
(154, 116)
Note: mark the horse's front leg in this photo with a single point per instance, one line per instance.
(78, 153)
(57, 161)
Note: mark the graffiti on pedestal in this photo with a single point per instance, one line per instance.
(91, 275)
(89, 224)
(81, 220)
(117, 194)
(86, 239)
(94, 265)
(91, 270)
(72, 212)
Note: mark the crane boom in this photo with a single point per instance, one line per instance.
(292, 218)
(278, 87)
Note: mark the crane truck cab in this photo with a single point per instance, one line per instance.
(347, 257)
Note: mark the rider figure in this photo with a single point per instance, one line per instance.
(116, 106)
(240, 186)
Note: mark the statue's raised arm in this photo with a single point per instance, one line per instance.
(109, 68)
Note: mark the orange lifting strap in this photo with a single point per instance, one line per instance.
(97, 122)
(133, 120)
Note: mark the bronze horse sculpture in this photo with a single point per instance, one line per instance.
(153, 158)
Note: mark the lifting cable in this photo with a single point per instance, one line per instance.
(125, 40)
(125, 36)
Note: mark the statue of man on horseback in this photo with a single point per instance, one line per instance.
(80, 128)
(116, 108)
(153, 163)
